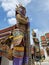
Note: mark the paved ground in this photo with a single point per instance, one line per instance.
(45, 63)
(42, 63)
(5, 61)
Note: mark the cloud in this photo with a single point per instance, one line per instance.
(10, 5)
(11, 13)
(12, 21)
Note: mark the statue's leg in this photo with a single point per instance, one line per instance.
(17, 61)
(18, 54)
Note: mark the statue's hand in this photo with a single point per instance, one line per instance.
(23, 20)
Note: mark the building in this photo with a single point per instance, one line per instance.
(45, 44)
(43, 41)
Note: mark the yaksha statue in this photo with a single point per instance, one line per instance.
(21, 50)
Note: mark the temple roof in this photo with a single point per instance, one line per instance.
(8, 29)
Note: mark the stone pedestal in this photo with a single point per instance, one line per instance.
(5, 61)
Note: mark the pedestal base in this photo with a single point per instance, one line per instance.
(5, 61)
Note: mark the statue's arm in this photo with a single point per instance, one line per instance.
(21, 19)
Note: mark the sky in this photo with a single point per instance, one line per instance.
(37, 11)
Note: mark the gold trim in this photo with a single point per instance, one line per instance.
(10, 36)
(17, 37)
(19, 48)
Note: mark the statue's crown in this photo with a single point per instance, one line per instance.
(20, 8)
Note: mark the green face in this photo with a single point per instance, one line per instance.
(17, 33)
